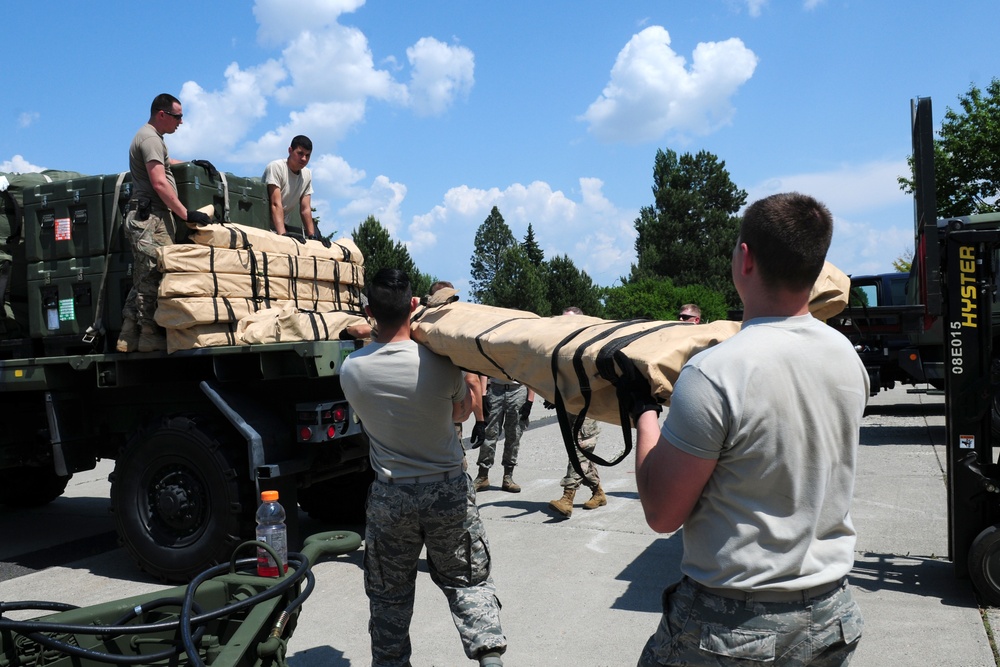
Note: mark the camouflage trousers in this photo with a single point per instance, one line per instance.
(443, 516)
(145, 237)
(588, 441)
(699, 628)
(504, 403)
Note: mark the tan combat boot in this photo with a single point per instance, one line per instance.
(596, 500)
(128, 339)
(565, 504)
(482, 481)
(509, 485)
(151, 339)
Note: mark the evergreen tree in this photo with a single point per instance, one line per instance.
(381, 252)
(568, 286)
(518, 284)
(689, 233)
(532, 249)
(493, 239)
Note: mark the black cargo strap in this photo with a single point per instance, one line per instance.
(313, 317)
(479, 342)
(97, 328)
(230, 313)
(347, 252)
(571, 432)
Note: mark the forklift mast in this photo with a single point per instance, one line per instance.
(958, 274)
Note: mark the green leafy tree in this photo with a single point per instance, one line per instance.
(567, 286)
(532, 249)
(904, 261)
(382, 252)
(493, 239)
(689, 233)
(660, 299)
(967, 155)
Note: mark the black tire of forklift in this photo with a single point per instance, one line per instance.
(30, 486)
(176, 499)
(339, 501)
(984, 565)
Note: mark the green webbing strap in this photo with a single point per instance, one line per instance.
(97, 328)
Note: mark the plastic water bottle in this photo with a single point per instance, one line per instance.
(271, 530)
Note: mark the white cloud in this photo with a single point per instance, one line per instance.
(810, 5)
(335, 64)
(873, 218)
(651, 92)
(215, 122)
(595, 234)
(440, 74)
(324, 123)
(754, 7)
(27, 118)
(847, 190)
(280, 20)
(19, 165)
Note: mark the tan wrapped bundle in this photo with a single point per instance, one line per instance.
(188, 258)
(276, 325)
(307, 293)
(514, 344)
(186, 312)
(581, 355)
(204, 335)
(241, 237)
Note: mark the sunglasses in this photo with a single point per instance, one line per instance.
(685, 317)
(178, 116)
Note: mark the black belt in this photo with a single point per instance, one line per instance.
(421, 479)
(505, 384)
(134, 206)
(803, 595)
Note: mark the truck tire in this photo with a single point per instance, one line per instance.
(340, 501)
(984, 565)
(30, 486)
(175, 496)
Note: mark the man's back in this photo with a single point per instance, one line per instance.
(780, 404)
(404, 394)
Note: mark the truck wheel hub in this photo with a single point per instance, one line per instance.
(175, 501)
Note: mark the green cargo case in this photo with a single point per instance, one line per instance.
(247, 201)
(63, 295)
(64, 219)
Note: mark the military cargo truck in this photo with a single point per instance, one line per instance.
(195, 434)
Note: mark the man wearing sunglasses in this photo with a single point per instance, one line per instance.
(690, 313)
(150, 224)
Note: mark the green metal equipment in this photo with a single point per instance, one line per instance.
(226, 617)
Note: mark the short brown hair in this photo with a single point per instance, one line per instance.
(162, 102)
(789, 235)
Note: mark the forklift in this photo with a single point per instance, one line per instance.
(960, 258)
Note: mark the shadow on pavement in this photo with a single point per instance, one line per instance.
(906, 409)
(654, 569)
(880, 436)
(914, 575)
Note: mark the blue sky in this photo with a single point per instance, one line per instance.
(428, 114)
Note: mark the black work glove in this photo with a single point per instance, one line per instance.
(642, 399)
(198, 217)
(317, 237)
(525, 412)
(213, 173)
(478, 435)
(298, 237)
(548, 405)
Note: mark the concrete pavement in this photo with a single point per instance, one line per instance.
(584, 590)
